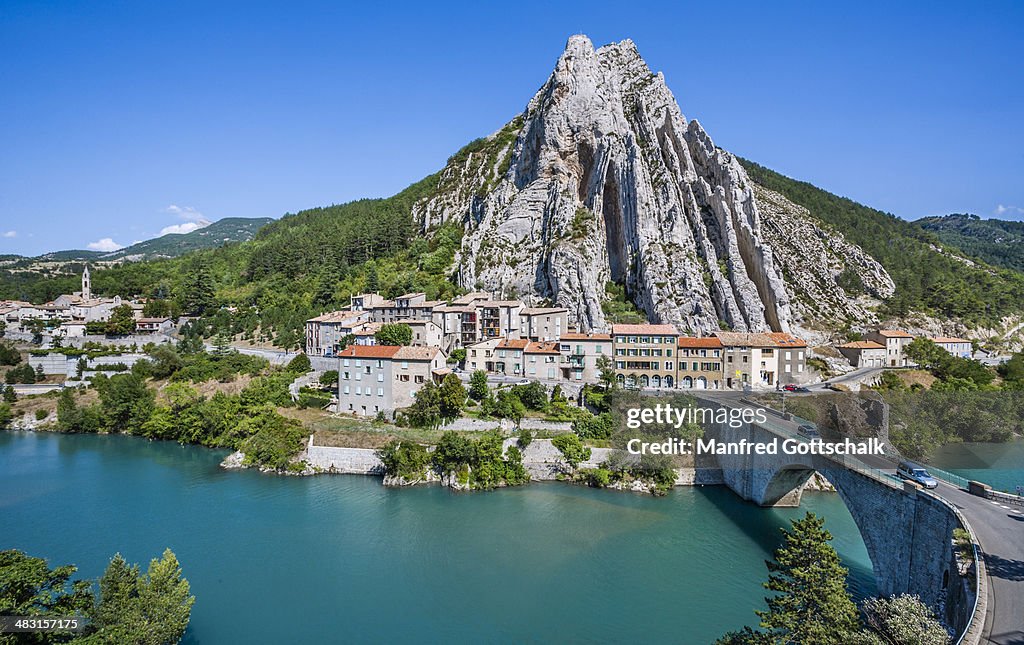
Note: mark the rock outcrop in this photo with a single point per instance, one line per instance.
(603, 179)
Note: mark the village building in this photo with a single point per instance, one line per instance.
(791, 358)
(325, 334)
(153, 325)
(894, 342)
(374, 379)
(700, 363)
(580, 353)
(458, 325)
(481, 355)
(540, 360)
(645, 355)
(543, 323)
(959, 347)
(864, 353)
(498, 318)
(410, 306)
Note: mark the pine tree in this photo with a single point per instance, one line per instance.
(812, 605)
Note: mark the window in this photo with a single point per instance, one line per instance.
(405, 365)
(359, 376)
(419, 378)
(344, 362)
(346, 392)
(359, 390)
(668, 365)
(598, 349)
(345, 376)
(380, 364)
(380, 391)
(380, 377)
(359, 363)
(668, 352)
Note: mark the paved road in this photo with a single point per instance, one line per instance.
(1000, 531)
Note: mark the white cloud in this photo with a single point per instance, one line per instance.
(10, 234)
(187, 227)
(1002, 209)
(194, 220)
(186, 213)
(106, 244)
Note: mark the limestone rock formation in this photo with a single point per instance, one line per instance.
(603, 179)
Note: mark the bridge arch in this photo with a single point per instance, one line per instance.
(907, 532)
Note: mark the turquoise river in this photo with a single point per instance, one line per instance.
(342, 559)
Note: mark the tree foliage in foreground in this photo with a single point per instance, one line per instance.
(812, 605)
(149, 609)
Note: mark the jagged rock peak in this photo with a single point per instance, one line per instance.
(602, 179)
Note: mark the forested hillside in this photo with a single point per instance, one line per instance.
(926, 280)
(998, 242)
(296, 267)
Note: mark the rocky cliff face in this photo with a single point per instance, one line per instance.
(603, 179)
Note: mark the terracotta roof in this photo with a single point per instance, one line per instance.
(542, 348)
(416, 353)
(513, 343)
(700, 343)
(369, 351)
(465, 299)
(152, 320)
(590, 336)
(409, 296)
(645, 330)
(786, 340)
(943, 340)
(745, 339)
(337, 316)
(862, 344)
(893, 333)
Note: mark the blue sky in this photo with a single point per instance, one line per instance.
(120, 119)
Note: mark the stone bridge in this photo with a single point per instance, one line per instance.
(908, 532)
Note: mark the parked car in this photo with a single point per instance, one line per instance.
(916, 473)
(790, 387)
(809, 431)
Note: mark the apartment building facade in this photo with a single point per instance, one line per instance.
(543, 323)
(580, 353)
(700, 363)
(645, 355)
(384, 378)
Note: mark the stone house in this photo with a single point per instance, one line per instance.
(894, 341)
(865, 353)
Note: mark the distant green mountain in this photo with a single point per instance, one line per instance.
(998, 242)
(69, 256)
(219, 233)
(935, 282)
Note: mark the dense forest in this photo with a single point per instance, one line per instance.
(926, 280)
(998, 242)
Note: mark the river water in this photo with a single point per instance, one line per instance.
(1000, 465)
(342, 559)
